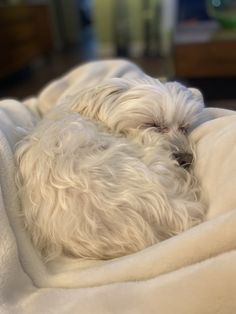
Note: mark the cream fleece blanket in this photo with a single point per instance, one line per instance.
(194, 272)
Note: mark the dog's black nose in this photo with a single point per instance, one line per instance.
(184, 159)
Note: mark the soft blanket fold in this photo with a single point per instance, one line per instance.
(193, 272)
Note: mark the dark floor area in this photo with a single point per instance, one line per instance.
(28, 82)
(33, 78)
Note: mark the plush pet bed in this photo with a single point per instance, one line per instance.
(193, 272)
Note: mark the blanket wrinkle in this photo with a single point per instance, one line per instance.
(13, 277)
(193, 272)
(162, 255)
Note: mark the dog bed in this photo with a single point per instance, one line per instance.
(193, 272)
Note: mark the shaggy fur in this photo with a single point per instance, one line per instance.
(98, 177)
(126, 106)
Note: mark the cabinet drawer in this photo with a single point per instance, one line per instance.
(206, 60)
(16, 14)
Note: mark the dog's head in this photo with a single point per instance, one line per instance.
(130, 106)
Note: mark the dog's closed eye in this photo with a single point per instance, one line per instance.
(157, 127)
(184, 129)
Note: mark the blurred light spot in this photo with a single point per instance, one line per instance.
(216, 3)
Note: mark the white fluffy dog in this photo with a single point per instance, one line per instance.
(104, 174)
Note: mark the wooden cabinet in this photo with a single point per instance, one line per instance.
(205, 50)
(25, 33)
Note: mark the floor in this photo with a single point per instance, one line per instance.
(28, 82)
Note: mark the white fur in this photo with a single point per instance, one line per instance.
(97, 177)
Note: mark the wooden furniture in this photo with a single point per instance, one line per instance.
(25, 33)
(204, 50)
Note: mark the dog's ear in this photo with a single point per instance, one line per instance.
(197, 94)
(199, 117)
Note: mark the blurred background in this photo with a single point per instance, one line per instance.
(190, 41)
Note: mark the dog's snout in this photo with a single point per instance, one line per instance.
(184, 159)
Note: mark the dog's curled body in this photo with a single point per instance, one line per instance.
(89, 193)
(100, 175)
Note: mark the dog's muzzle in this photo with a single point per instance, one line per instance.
(184, 159)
